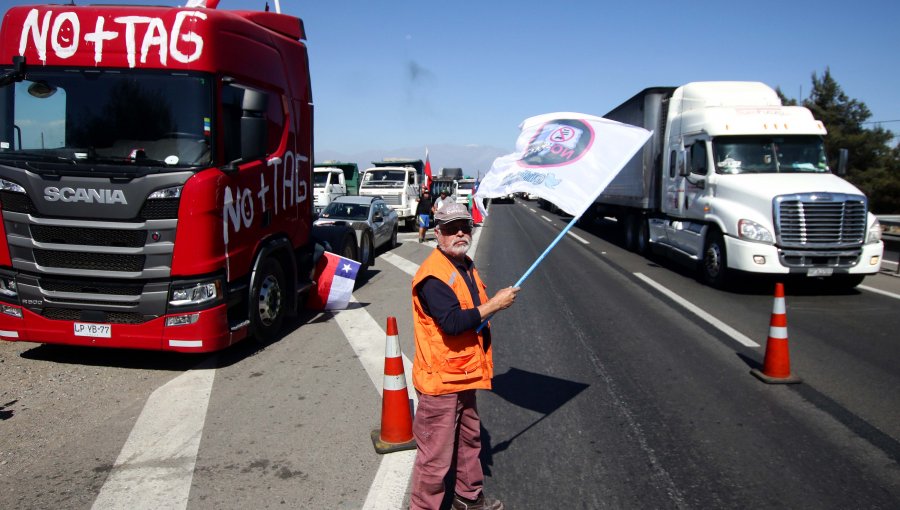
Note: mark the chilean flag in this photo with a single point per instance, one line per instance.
(335, 277)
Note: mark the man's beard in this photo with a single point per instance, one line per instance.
(458, 249)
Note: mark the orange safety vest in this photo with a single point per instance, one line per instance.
(448, 363)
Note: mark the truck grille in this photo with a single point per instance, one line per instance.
(73, 314)
(391, 199)
(821, 221)
(89, 261)
(88, 236)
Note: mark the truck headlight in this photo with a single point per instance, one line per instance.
(874, 234)
(195, 293)
(753, 231)
(10, 186)
(173, 192)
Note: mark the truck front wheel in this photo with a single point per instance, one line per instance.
(267, 300)
(714, 264)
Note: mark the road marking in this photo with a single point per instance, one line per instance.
(879, 291)
(368, 340)
(576, 236)
(547, 219)
(156, 464)
(721, 326)
(404, 265)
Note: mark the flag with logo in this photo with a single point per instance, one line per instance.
(335, 277)
(565, 158)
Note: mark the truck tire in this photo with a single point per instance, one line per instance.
(268, 301)
(642, 241)
(714, 263)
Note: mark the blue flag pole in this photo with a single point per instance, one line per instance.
(538, 261)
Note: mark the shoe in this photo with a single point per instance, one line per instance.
(482, 503)
(421, 240)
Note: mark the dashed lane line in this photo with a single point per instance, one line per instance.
(716, 323)
(879, 291)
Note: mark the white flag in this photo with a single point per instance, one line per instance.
(565, 158)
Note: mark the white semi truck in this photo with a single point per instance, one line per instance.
(398, 181)
(328, 184)
(733, 181)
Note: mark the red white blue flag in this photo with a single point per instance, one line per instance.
(565, 158)
(335, 277)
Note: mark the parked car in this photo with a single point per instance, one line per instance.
(374, 223)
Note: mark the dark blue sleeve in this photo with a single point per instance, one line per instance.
(441, 304)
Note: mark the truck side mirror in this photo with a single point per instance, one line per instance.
(253, 125)
(843, 157)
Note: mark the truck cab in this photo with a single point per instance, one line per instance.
(328, 184)
(746, 186)
(465, 188)
(398, 182)
(155, 169)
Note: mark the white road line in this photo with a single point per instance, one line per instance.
(879, 291)
(401, 263)
(576, 236)
(721, 326)
(368, 339)
(156, 465)
(547, 219)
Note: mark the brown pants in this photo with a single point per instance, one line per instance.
(446, 428)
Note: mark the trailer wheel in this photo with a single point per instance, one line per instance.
(268, 300)
(714, 264)
(642, 237)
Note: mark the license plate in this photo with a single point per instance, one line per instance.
(819, 271)
(93, 329)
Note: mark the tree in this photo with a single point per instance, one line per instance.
(873, 165)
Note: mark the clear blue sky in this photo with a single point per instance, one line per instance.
(403, 73)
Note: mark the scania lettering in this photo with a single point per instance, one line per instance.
(102, 196)
(155, 176)
(734, 182)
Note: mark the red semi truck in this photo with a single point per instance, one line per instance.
(155, 176)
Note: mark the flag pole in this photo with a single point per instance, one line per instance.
(538, 261)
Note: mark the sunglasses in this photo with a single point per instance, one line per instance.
(453, 228)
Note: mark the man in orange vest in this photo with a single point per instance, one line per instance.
(452, 361)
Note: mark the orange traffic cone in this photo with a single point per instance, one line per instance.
(777, 364)
(395, 433)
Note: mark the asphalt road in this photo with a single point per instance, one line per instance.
(609, 393)
(612, 395)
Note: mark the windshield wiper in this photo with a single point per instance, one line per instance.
(39, 156)
(125, 160)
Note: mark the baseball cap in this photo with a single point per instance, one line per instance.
(451, 212)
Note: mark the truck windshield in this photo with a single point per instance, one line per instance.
(115, 117)
(755, 154)
(320, 179)
(384, 178)
(466, 185)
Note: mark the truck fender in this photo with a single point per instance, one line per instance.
(281, 249)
